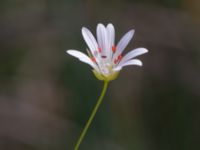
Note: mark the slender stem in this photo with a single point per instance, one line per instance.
(91, 116)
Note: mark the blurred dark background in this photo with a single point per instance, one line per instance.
(46, 95)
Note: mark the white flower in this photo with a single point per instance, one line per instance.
(104, 56)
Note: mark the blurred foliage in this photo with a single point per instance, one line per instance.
(10, 60)
(166, 3)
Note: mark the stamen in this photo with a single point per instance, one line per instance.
(115, 61)
(99, 49)
(114, 49)
(93, 59)
(119, 58)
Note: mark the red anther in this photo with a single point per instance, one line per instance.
(119, 58)
(93, 59)
(114, 49)
(103, 56)
(115, 61)
(99, 49)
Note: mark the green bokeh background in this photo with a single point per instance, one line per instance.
(46, 96)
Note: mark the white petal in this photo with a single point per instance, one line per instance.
(123, 43)
(89, 39)
(82, 57)
(111, 33)
(132, 54)
(118, 68)
(131, 62)
(102, 38)
(111, 38)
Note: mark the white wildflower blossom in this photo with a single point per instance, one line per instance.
(104, 56)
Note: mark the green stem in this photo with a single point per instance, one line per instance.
(91, 116)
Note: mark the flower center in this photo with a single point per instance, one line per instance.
(105, 63)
